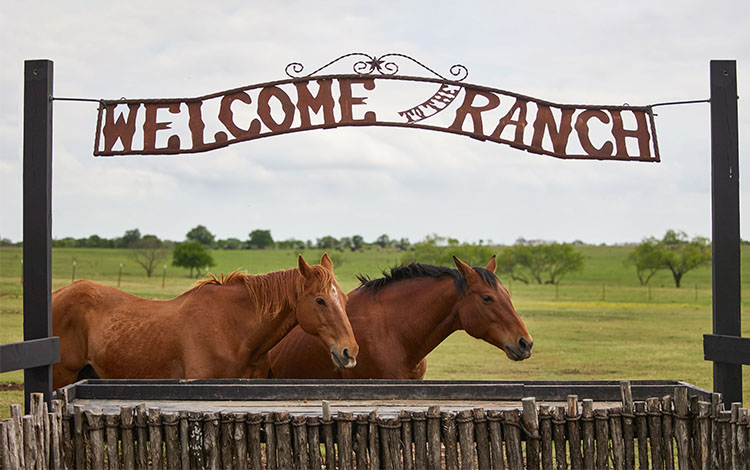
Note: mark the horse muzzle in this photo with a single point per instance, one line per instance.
(519, 351)
(343, 358)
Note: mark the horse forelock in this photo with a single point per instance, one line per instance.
(419, 270)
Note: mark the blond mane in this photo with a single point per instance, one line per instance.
(273, 291)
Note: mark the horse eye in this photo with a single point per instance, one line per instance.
(487, 298)
(320, 301)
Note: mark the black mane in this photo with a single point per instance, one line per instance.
(419, 270)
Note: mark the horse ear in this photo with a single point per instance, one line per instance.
(303, 267)
(463, 268)
(492, 264)
(326, 262)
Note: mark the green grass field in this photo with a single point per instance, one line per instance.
(597, 324)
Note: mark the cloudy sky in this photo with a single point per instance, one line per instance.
(374, 180)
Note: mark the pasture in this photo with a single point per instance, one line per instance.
(598, 324)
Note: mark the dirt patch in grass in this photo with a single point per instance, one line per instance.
(11, 386)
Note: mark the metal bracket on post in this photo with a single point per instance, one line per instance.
(37, 218)
(725, 217)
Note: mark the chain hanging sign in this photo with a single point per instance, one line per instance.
(375, 95)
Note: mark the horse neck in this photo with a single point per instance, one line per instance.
(275, 296)
(428, 317)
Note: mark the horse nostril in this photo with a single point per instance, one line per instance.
(525, 345)
(345, 353)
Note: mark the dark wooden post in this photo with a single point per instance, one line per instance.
(725, 220)
(37, 218)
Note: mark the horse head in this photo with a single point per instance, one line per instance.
(321, 311)
(486, 312)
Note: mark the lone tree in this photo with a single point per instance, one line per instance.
(192, 255)
(201, 234)
(681, 255)
(674, 252)
(647, 259)
(545, 264)
(149, 252)
(260, 239)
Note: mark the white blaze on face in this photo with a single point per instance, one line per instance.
(335, 295)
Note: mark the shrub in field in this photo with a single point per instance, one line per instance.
(440, 251)
(148, 252)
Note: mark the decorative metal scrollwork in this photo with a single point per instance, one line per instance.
(371, 64)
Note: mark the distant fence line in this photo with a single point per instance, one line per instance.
(659, 433)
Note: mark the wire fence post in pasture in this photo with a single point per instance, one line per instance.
(73, 273)
(119, 276)
(164, 277)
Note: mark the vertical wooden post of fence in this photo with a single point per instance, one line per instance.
(195, 427)
(4, 450)
(126, 435)
(512, 433)
(313, 439)
(254, 421)
(602, 438)
(95, 421)
(270, 429)
(615, 431)
(716, 407)
(495, 418)
(419, 432)
(327, 429)
(530, 421)
(344, 439)
(734, 415)
(373, 435)
(681, 427)
(37, 218)
(225, 440)
(112, 422)
(283, 441)
(299, 429)
(184, 440)
(725, 215)
(56, 435)
(450, 439)
(406, 440)
(30, 454)
(156, 447)
(433, 438)
(704, 434)
(726, 433)
(80, 449)
(655, 433)
(68, 452)
(141, 429)
(545, 427)
(465, 423)
(695, 448)
(743, 446)
(239, 441)
(484, 458)
(211, 451)
(628, 423)
(667, 422)
(390, 436)
(15, 437)
(574, 433)
(558, 435)
(641, 431)
(171, 422)
(39, 414)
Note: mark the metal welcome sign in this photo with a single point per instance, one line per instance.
(375, 95)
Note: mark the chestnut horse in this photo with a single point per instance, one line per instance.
(217, 329)
(399, 318)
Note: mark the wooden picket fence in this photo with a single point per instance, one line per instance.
(659, 433)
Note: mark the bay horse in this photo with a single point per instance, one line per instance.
(217, 329)
(399, 318)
